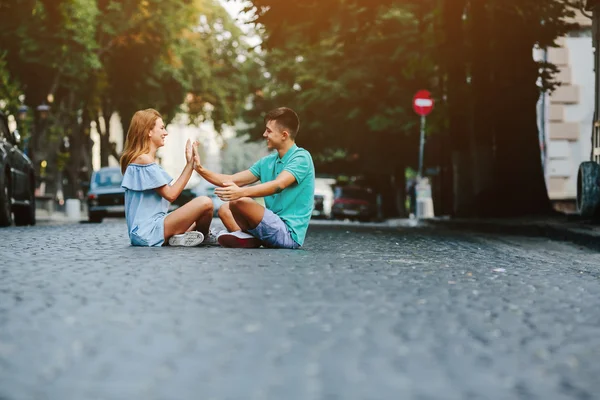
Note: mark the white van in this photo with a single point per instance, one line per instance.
(323, 197)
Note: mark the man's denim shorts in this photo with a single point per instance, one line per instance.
(273, 232)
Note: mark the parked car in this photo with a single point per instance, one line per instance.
(17, 180)
(323, 197)
(354, 203)
(106, 197)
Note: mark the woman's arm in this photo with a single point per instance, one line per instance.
(171, 193)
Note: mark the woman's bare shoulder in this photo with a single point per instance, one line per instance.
(143, 159)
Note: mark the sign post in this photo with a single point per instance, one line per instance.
(423, 104)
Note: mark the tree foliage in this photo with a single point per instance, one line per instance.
(351, 75)
(351, 67)
(98, 57)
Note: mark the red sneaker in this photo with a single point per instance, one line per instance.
(238, 239)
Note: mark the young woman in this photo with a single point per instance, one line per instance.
(148, 191)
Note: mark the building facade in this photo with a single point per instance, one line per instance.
(565, 117)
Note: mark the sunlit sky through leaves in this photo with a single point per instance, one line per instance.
(234, 8)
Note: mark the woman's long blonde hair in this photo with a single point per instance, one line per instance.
(138, 141)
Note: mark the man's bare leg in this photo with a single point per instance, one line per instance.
(247, 213)
(239, 216)
(227, 218)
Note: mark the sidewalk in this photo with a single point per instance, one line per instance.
(57, 217)
(580, 232)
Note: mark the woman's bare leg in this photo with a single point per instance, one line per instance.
(198, 211)
(204, 220)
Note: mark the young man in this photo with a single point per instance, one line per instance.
(287, 177)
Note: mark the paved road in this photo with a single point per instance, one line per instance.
(360, 313)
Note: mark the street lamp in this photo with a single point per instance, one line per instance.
(44, 110)
(37, 132)
(22, 112)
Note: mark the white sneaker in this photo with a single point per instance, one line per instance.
(238, 239)
(211, 239)
(188, 239)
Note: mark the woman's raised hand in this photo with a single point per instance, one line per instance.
(188, 152)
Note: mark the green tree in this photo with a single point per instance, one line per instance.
(50, 50)
(98, 57)
(361, 63)
(11, 89)
(493, 87)
(351, 76)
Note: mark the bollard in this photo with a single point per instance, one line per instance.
(73, 208)
(424, 206)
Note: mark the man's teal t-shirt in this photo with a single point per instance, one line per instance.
(294, 205)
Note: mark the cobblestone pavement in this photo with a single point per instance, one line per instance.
(359, 313)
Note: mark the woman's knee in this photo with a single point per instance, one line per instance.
(204, 203)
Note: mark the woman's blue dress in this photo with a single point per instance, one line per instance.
(145, 209)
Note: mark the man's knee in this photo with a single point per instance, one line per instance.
(237, 205)
(224, 211)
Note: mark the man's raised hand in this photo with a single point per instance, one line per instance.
(196, 156)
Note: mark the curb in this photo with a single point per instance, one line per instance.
(582, 234)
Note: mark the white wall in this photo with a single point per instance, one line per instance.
(564, 156)
(173, 153)
(116, 136)
(582, 67)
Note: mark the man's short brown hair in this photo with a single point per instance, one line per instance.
(285, 118)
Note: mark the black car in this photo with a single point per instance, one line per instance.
(106, 197)
(354, 203)
(17, 180)
(318, 205)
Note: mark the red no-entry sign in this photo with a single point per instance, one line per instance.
(423, 103)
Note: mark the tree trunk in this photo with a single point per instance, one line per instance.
(104, 142)
(519, 177)
(393, 194)
(445, 205)
(125, 116)
(74, 161)
(400, 190)
(78, 145)
(483, 95)
(452, 17)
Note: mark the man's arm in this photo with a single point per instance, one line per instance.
(231, 191)
(241, 178)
